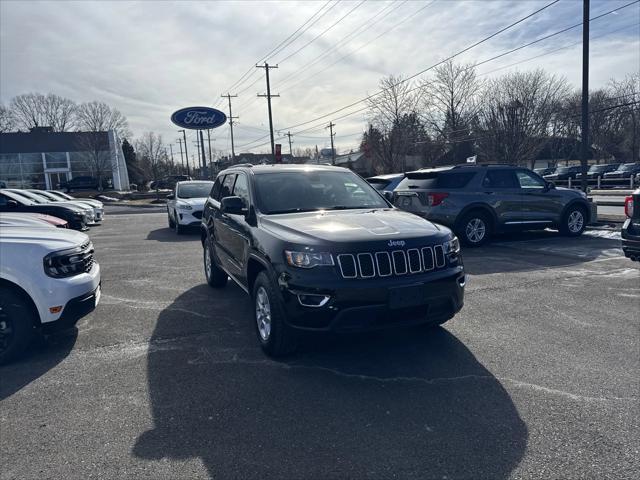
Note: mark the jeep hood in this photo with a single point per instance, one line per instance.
(351, 225)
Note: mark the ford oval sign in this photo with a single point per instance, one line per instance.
(198, 118)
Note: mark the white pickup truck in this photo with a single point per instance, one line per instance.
(48, 281)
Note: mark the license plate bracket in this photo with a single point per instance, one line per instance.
(408, 296)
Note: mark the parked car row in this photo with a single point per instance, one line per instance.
(49, 278)
(609, 172)
(78, 213)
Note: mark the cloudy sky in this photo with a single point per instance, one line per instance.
(150, 58)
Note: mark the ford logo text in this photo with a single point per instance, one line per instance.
(198, 118)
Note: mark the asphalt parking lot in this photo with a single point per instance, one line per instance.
(537, 377)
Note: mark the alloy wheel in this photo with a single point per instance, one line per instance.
(263, 313)
(576, 221)
(475, 230)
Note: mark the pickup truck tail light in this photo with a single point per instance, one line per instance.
(628, 207)
(435, 199)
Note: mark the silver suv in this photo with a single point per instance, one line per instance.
(479, 200)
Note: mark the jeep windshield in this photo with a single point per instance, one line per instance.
(194, 190)
(288, 192)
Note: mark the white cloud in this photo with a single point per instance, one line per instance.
(150, 58)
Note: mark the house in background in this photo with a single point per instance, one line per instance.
(44, 159)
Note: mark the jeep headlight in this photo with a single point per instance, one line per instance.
(308, 259)
(452, 247)
(184, 206)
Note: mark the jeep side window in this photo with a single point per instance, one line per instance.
(241, 188)
(500, 179)
(529, 180)
(227, 186)
(215, 190)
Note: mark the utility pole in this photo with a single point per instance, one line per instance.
(269, 96)
(181, 157)
(333, 152)
(173, 162)
(204, 157)
(231, 118)
(197, 144)
(584, 150)
(186, 154)
(288, 134)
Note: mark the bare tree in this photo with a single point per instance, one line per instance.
(7, 123)
(152, 156)
(626, 92)
(31, 110)
(386, 110)
(100, 117)
(96, 155)
(28, 110)
(450, 103)
(513, 123)
(59, 112)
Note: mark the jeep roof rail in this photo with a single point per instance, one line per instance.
(241, 165)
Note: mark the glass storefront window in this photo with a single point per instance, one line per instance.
(56, 159)
(86, 163)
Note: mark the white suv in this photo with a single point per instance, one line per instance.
(186, 203)
(48, 281)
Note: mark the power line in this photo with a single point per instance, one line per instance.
(282, 43)
(466, 49)
(268, 96)
(322, 33)
(365, 45)
(358, 31)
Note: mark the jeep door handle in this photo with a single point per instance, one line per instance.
(489, 193)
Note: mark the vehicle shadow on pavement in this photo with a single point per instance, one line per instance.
(411, 403)
(43, 355)
(529, 251)
(168, 235)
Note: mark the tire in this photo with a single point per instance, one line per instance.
(216, 277)
(276, 338)
(17, 324)
(172, 224)
(177, 227)
(474, 229)
(574, 221)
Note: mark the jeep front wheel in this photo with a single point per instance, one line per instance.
(216, 277)
(475, 229)
(275, 336)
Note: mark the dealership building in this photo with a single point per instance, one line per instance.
(44, 159)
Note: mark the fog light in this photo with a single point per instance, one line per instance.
(315, 301)
(57, 309)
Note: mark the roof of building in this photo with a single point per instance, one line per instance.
(42, 141)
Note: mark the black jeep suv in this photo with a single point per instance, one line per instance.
(318, 248)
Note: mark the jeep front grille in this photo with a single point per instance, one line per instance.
(394, 262)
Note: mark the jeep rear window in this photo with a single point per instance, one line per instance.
(435, 180)
(289, 192)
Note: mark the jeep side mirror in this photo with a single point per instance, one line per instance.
(12, 204)
(388, 195)
(233, 206)
(171, 196)
(550, 186)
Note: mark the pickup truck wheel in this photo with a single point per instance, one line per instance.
(216, 277)
(172, 224)
(275, 336)
(574, 222)
(17, 321)
(474, 229)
